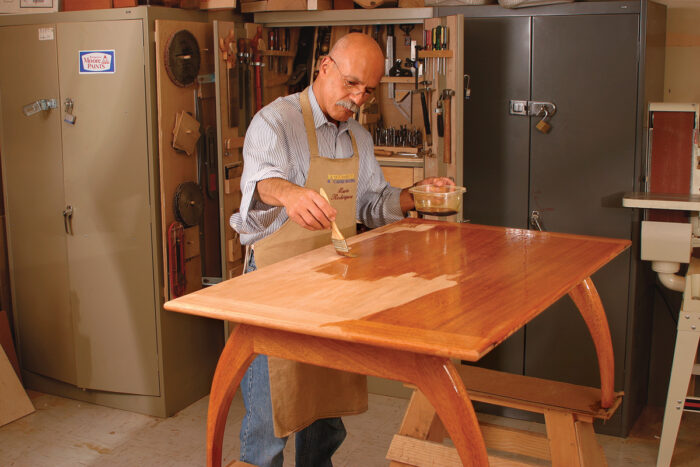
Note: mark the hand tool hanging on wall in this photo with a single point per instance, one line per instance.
(389, 60)
(244, 90)
(185, 132)
(283, 43)
(426, 115)
(258, 64)
(271, 45)
(445, 38)
(191, 195)
(439, 110)
(418, 65)
(435, 37)
(176, 260)
(228, 54)
(299, 78)
(324, 36)
(210, 163)
(427, 45)
(406, 28)
(323, 40)
(182, 58)
(393, 137)
(199, 115)
(375, 34)
(401, 68)
(446, 97)
(403, 99)
(188, 205)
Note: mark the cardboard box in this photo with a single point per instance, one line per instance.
(24, 7)
(124, 3)
(252, 6)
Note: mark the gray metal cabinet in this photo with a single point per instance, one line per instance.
(82, 216)
(589, 60)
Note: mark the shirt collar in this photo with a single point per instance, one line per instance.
(319, 117)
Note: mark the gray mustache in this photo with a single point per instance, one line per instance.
(351, 106)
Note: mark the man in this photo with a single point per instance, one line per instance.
(293, 147)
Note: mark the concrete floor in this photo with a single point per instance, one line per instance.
(64, 432)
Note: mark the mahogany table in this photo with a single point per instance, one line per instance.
(418, 294)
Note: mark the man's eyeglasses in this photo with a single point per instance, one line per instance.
(353, 87)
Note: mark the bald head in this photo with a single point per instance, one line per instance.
(348, 75)
(357, 43)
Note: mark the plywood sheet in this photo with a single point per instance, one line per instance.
(6, 342)
(14, 402)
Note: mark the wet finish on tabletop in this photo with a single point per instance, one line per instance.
(447, 289)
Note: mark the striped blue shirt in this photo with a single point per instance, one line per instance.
(276, 147)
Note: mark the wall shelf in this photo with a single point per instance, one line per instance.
(344, 17)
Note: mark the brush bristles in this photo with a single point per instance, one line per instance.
(340, 245)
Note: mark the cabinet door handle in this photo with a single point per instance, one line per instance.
(39, 106)
(67, 217)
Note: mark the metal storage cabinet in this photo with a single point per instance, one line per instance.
(596, 63)
(82, 206)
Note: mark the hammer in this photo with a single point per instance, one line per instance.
(446, 97)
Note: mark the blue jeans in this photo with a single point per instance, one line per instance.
(314, 445)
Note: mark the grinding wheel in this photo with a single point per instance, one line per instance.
(189, 203)
(182, 58)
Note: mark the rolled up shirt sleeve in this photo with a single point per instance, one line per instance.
(267, 155)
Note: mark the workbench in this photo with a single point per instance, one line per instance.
(419, 294)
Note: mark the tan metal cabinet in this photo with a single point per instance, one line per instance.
(80, 182)
(104, 186)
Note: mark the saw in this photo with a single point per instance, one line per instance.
(188, 204)
(182, 58)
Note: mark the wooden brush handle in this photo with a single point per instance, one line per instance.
(336, 233)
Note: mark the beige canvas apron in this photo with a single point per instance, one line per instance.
(303, 393)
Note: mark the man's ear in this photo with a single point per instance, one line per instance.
(325, 63)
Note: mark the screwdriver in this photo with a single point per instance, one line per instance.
(436, 46)
(427, 45)
(271, 45)
(445, 41)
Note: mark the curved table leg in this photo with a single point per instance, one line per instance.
(232, 365)
(587, 300)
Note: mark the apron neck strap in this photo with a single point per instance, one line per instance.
(309, 122)
(311, 127)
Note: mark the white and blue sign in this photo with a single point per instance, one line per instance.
(97, 61)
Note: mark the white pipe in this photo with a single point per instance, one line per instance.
(667, 275)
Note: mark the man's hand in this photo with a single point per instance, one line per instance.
(437, 181)
(406, 199)
(304, 206)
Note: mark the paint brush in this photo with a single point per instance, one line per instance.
(341, 246)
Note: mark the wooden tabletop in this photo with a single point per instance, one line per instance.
(438, 288)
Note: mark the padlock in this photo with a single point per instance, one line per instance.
(543, 126)
(68, 109)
